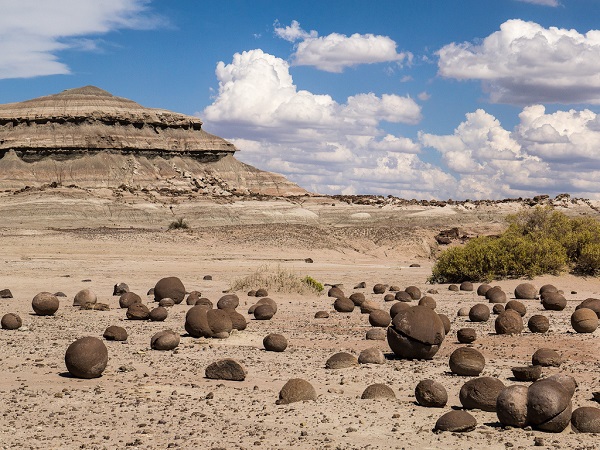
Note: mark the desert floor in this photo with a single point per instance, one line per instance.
(151, 399)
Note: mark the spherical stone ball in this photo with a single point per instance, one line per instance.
(268, 301)
(584, 320)
(371, 355)
(158, 314)
(548, 406)
(379, 318)
(498, 308)
(509, 322)
(463, 312)
(546, 357)
(321, 315)
(394, 288)
(128, 299)
(414, 292)
(265, 312)
(275, 342)
(482, 289)
(164, 340)
(566, 381)
(196, 322)
(115, 333)
(466, 286)
(238, 321)
(193, 297)
(479, 313)
(228, 301)
(226, 369)
(166, 303)
(335, 292)
(553, 301)
(138, 311)
(496, 295)
(262, 292)
(431, 394)
(87, 357)
(296, 390)
(11, 321)
(548, 288)
(446, 322)
(379, 288)
(517, 306)
(45, 304)
(397, 307)
(525, 291)
(428, 301)
(511, 406)
(527, 373)
(341, 360)
(586, 420)
(416, 333)
(453, 288)
(170, 287)
(538, 323)
(378, 391)
(466, 361)
(343, 305)
(403, 296)
(591, 303)
(456, 421)
(376, 334)
(220, 323)
(481, 393)
(358, 298)
(368, 307)
(466, 335)
(84, 296)
(389, 298)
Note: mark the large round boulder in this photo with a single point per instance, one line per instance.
(416, 333)
(553, 301)
(511, 406)
(397, 307)
(548, 406)
(343, 305)
(11, 321)
(414, 292)
(466, 335)
(358, 298)
(509, 322)
(164, 340)
(584, 320)
(158, 314)
(371, 355)
(590, 303)
(586, 420)
(226, 369)
(84, 297)
(208, 323)
(481, 393)
(403, 296)
(546, 357)
(456, 421)
(431, 394)
(170, 287)
(45, 304)
(115, 333)
(341, 360)
(496, 295)
(275, 342)
(228, 301)
(479, 313)
(538, 323)
(379, 288)
(129, 298)
(525, 291)
(482, 289)
(87, 357)
(296, 390)
(517, 306)
(138, 311)
(378, 391)
(466, 361)
(379, 318)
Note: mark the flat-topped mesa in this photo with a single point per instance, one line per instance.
(88, 120)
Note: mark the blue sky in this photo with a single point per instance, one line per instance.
(419, 99)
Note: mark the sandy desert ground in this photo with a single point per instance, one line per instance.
(146, 399)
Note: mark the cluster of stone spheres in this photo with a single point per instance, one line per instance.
(412, 332)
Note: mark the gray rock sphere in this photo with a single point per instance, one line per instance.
(11, 321)
(508, 322)
(296, 390)
(586, 420)
(226, 369)
(83, 297)
(466, 361)
(164, 340)
(115, 333)
(416, 333)
(479, 313)
(45, 304)
(525, 291)
(431, 394)
(170, 287)
(481, 393)
(379, 318)
(584, 320)
(87, 357)
(456, 421)
(341, 360)
(378, 391)
(129, 298)
(511, 406)
(538, 323)
(275, 342)
(371, 355)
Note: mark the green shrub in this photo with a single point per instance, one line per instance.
(179, 224)
(314, 284)
(588, 262)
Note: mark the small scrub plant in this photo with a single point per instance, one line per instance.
(276, 279)
(539, 241)
(179, 224)
(311, 282)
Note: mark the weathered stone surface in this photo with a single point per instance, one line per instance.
(379, 318)
(431, 394)
(11, 321)
(466, 361)
(45, 304)
(238, 321)
(466, 335)
(379, 288)
(466, 286)
(158, 314)
(446, 321)
(553, 301)
(457, 421)
(343, 305)
(368, 306)
(463, 312)
(546, 357)
(403, 296)
(584, 320)
(527, 373)
(371, 355)
(138, 311)
(538, 323)
(511, 406)
(228, 301)
(376, 334)
(129, 298)
(548, 406)
(525, 291)
(496, 295)
(397, 307)
(378, 391)
(586, 420)
(210, 323)
(226, 369)
(414, 292)
(566, 381)
(5, 293)
(169, 287)
(479, 313)
(84, 296)
(341, 360)
(416, 333)
(120, 289)
(264, 312)
(87, 357)
(590, 303)
(166, 302)
(358, 298)
(115, 333)
(164, 340)
(296, 390)
(275, 342)
(428, 301)
(335, 292)
(517, 306)
(481, 393)
(482, 289)
(509, 322)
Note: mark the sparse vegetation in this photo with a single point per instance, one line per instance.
(179, 224)
(277, 279)
(539, 241)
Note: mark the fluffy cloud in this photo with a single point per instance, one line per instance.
(32, 32)
(525, 63)
(323, 145)
(335, 52)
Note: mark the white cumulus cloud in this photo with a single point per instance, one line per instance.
(525, 63)
(33, 32)
(293, 32)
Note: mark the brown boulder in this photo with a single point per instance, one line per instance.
(115, 333)
(548, 406)
(509, 322)
(341, 360)
(511, 406)
(546, 357)
(466, 361)
(481, 393)
(466, 335)
(586, 420)
(226, 369)
(138, 311)
(525, 291)
(456, 421)
(343, 305)
(397, 307)
(87, 357)
(379, 288)
(403, 296)
(158, 314)
(517, 306)
(164, 340)
(296, 390)
(553, 301)
(378, 391)
(275, 342)
(379, 318)
(11, 321)
(479, 313)
(170, 287)
(371, 355)
(414, 292)
(584, 320)
(228, 301)
(416, 333)
(538, 323)
(84, 296)
(129, 298)
(45, 304)
(431, 394)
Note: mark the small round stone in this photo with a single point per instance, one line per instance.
(586, 420)
(548, 406)
(378, 391)
(498, 308)
(527, 373)
(138, 311)
(296, 390)
(321, 315)
(238, 321)
(548, 288)
(379, 318)
(341, 360)
(335, 292)
(463, 312)
(226, 369)
(403, 296)
(358, 298)
(517, 306)
(166, 302)
(481, 393)
(509, 322)
(193, 297)
(397, 307)
(466, 335)
(368, 307)
(371, 355)
(115, 333)
(203, 301)
(376, 334)
(158, 314)
(584, 320)
(482, 289)
(496, 295)
(453, 288)
(538, 323)
(479, 313)
(264, 312)
(45, 304)
(275, 342)
(466, 286)
(525, 291)
(228, 301)
(84, 296)
(457, 421)
(164, 340)
(428, 301)
(431, 394)
(553, 301)
(11, 321)
(129, 298)
(87, 357)
(414, 292)
(389, 298)
(343, 305)
(379, 288)
(546, 357)
(511, 406)
(262, 292)
(394, 288)
(466, 361)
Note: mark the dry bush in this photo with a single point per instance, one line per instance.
(276, 279)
